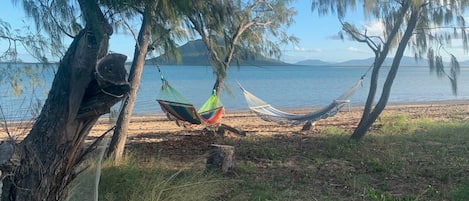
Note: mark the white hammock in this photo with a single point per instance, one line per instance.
(268, 113)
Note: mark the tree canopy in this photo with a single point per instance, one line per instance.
(229, 26)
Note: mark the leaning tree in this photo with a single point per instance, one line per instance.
(87, 83)
(426, 27)
(157, 32)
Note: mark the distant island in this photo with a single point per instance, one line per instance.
(406, 61)
(194, 53)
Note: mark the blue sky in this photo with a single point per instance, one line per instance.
(317, 36)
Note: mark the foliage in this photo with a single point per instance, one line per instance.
(15, 75)
(229, 26)
(461, 191)
(439, 24)
(155, 180)
(165, 23)
(55, 18)
(397, 123)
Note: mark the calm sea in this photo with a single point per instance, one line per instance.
(281, 86)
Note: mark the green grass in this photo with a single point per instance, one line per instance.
(154, 180)
(401, 159)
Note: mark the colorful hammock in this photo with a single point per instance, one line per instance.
(269, 113)
(179, 109)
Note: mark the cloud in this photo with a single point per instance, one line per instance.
(354, 49)
(301, 49)
(374, 28)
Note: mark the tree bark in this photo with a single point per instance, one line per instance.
(54, 146)
(366, 122)
(119, 138)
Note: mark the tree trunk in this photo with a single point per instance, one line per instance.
(217, 87)
(380, 56)
(78, 97)
(117, 145)
(366, 123)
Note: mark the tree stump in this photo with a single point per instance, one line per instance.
(221, 158)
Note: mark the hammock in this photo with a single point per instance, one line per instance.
(268, 113)
(179, 109)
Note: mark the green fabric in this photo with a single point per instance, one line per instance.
(168, 93)
(212, 102)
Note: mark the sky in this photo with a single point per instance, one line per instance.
(318, 36)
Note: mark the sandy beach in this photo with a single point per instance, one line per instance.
(154, 128)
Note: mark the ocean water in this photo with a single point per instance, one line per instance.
(281, 86)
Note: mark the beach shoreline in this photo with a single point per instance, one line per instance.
(156, 127)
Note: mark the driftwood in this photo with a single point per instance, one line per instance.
(223, 128)
(221, 158)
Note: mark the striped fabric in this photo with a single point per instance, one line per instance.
(212, 116)
(181, 111)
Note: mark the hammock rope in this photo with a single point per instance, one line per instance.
(271, 114)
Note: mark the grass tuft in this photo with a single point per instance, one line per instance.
(142, 181)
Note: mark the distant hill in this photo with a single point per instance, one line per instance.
(313, 62)
(406, 61)
(464, 63)
(194, 53)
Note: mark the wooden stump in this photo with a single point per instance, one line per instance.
(221, 158)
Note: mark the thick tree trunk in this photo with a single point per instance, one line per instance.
(117, 145)
(78, 97)
(367, 121)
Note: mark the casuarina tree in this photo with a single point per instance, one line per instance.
(424, 27)
(236, 30)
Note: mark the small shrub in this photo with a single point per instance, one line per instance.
(332, 130)
(394, 124)
(461, 191)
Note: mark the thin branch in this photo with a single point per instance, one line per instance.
(130, 29)
(55, 20)
(373, 46)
